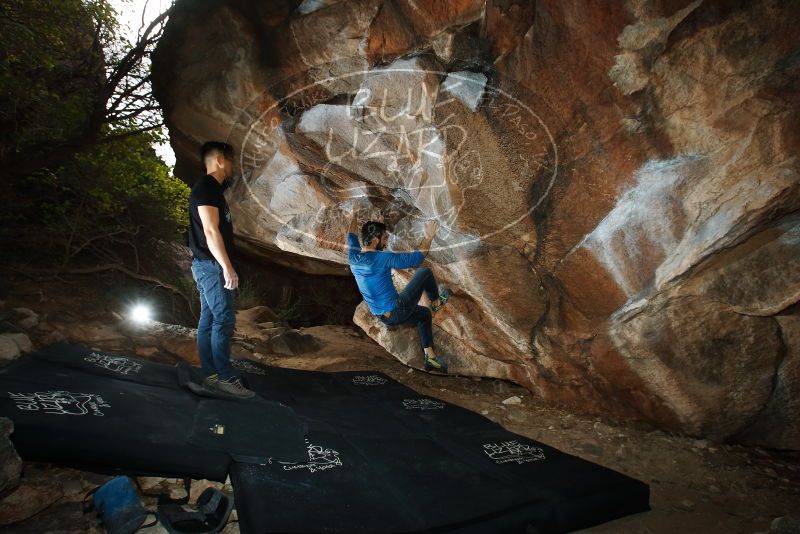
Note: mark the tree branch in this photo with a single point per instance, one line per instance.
(135, 54)
(129, 133)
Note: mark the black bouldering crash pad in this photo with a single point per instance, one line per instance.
(104, 411)
(253, 431)
(315, 452)
(383, 458)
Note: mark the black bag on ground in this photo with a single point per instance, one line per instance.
(213, 509)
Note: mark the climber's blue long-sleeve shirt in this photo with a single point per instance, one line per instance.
(373, 272)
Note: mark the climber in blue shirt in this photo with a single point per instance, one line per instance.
(372, 267)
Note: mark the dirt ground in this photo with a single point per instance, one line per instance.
(696, 486)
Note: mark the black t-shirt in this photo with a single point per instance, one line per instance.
(207, 191)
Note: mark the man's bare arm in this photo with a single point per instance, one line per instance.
(430, 233)
(209, 216)
(352, 228)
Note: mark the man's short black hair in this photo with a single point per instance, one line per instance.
(371, 230)
(213, 147)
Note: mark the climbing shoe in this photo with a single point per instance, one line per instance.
(435, 364)
(233, 386)
(444, 295)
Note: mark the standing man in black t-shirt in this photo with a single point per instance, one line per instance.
(211, 241)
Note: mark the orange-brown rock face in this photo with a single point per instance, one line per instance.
(616, 182)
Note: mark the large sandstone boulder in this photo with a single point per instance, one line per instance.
(616, 183)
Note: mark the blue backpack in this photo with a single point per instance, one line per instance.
(118, 506)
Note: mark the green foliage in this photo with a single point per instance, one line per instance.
(128, 183)
(111, 202)
(51, 71)
(85, 189)
(69, 80)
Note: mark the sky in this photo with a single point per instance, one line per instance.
(129, 15)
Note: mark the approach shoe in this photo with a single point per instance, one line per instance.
(444, 296)
(435, 364)
(233, 386)
(210, 382)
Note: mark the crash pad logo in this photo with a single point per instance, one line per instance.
(116, 364)
(512, 451)
(247, 367)
(422, 404)
(319, 459)
(60, 402)
(369, 380)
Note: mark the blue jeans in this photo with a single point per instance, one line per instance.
(217, 319)
(408, 311)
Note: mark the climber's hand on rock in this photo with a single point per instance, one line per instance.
(352, 227)
(430, 229)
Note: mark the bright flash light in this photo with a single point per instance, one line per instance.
(140, 313)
